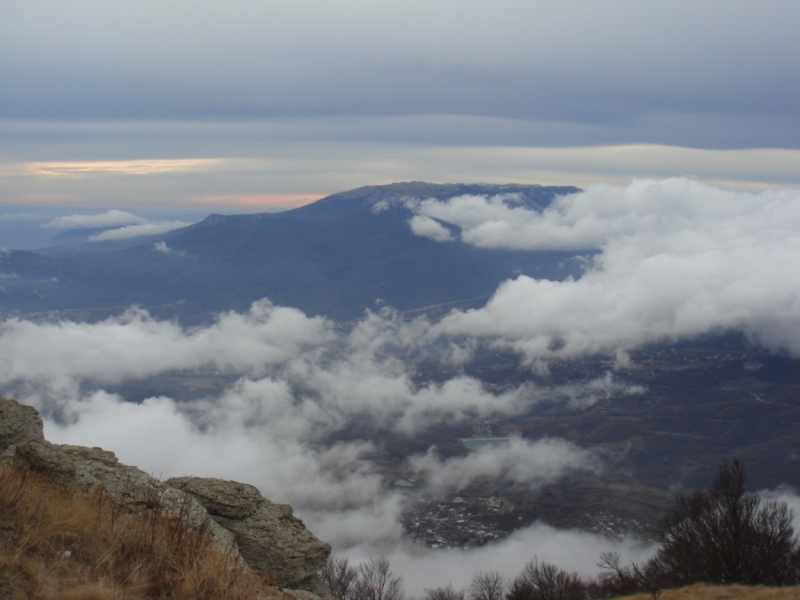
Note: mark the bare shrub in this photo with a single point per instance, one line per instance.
(726, 535)
(544, 581)
(372, 580)
(616, 580)
(487, 585)
(376, 582)
(443, 593)
(339, 577)
(723, 536)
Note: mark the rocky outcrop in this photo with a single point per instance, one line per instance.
(270, 538)
(267, 537)
(18, 423)
(87, 469)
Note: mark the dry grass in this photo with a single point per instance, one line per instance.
(54, 544)
(702, 591)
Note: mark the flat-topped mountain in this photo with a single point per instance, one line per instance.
(337, 257)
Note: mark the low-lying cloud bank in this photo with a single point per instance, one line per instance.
(118, 225)
(110, 218)
(713, 261)
(518, 462)
(316, 378)
(667, 260)
(336, 489)
(131, 231)
(603, 214)
(571, 550)
(295, 381)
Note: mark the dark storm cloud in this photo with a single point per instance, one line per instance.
(717, 74)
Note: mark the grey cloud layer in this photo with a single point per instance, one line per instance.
(621, 65)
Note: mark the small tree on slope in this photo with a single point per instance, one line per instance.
(725, 535)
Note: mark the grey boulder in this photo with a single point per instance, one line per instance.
(270, 538)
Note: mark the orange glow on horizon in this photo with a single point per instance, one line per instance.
(119, 167)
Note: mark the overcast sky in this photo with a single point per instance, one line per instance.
(291, 101)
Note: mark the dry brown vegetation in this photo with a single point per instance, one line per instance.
(57, 544)
(702, 591)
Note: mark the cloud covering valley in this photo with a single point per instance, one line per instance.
(296, 381)
(664, 261)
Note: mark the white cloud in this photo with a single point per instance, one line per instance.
(110, 218)
(336, 490)
(130, 231)
(294, 371)
(604, 214)
(520, 462)
(427, 227)
(571, 550)
(118, 225)
(298, 381)
(134, 345)
(162, 248)
(676, 259)
(168, 439)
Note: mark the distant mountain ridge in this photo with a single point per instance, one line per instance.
(337, 257)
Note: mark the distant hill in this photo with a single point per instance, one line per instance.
(336, 257)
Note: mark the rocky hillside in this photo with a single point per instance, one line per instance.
(256, 536)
